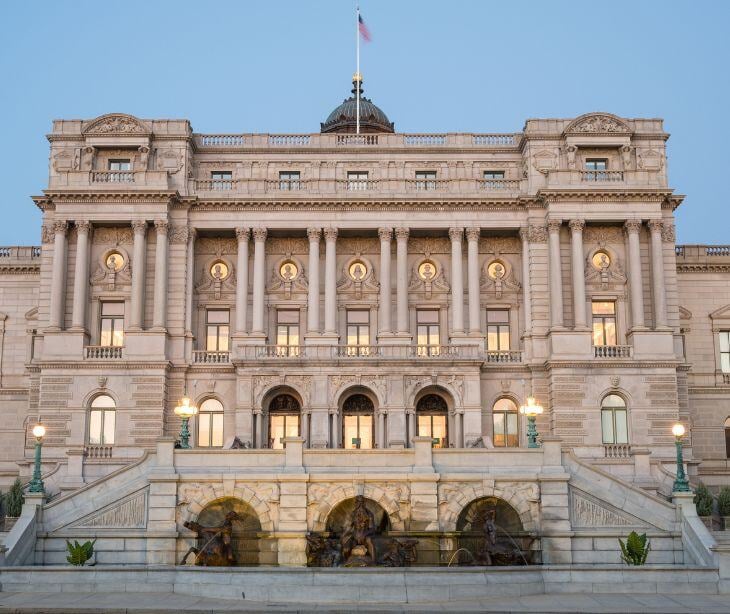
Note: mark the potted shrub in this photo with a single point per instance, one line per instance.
(723, 506)
(13, 504)
(705, 503)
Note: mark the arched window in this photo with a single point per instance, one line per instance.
(284, 419)
(210, 424)
(727, 437)
(504, 420)
(432, 420)
(357, 422)
(614, 423)
(102, 420)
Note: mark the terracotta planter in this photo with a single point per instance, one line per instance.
(9, 523)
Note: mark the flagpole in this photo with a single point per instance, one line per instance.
(357, 72)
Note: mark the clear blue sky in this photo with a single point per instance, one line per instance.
(433, 66)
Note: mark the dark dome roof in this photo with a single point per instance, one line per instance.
(344, 117)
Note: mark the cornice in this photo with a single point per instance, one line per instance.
(550, 195)
(20, 269)
(597, 363)
(106, 365)
(724, 390)
(703, 267)
(136, 196)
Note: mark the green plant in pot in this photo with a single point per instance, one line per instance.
(79, 554)
(13, 503)
(635, 550)
(723, 506)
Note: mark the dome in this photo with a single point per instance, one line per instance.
(344, 117)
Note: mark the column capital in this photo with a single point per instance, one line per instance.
(524, 233)
(456, 233)
(577, 225)
(401, 234)
(632, 226)
(314, 234)
(473, 233)
(139, 226)
(668, 235)
(243, 233)
(536, 233)
(385, 234)
(554, 225)
(83, 227)
(60, 226)
(192, 234)
(655, 225)
(161, 226)
(330, 234)
(259, 234)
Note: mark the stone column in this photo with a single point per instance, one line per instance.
(458, 428)
(556, 278)
(384, 322)
(381, 428)
(242, 235)
(58, 276)
(259, 280)
(457, 282)
(81, 275)
(314, 235)
(401, 279)
(411, 417)
(139, 264)
(257, 427)
(189, 282)
(306, 414)
(472, 274)
(636, 292)
(579, 280)
(335, 435)
(527, 299)
(159, 315)
(330, 282)
(657, 274)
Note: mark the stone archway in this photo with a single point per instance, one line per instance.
(322, 499)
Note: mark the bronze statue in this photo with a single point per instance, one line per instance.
(400, 553)
(213, 543)
(358, 549)
(323, 551)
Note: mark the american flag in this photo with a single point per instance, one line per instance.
(364, 32)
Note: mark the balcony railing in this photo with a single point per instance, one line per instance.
(424, 140)
(357, 139)
(280, 351)
(616, 450)
(422, 185)
(499, 185)
(702, 251)
(358, 185)
(103, 352)
(357, 351)
(98, 451)
(202, 357)
(217, 185)
(607, 176)
(612, 351)
(112, 177)
(504, 357)
(221, 140)
(363, 352)
(285, 185)
(435, 351)
(492, 140)
(289, 140)
(20, 252)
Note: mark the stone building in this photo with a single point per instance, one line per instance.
(354, 296)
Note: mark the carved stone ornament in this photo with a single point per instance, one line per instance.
(668, 234)
(598, 123)
(588, 512)
(217, 246)
(500, 245)
(631, 226)
(544, 161)
(116, 124)
(129, 512)
(651, 160)
(538, 234)
(217, 278)
(429, 245)
(113, 236)
(47, 234)
(178, 234)
(603, 235)
(288, 277)
(497, 276)
(112, 270)
(169, 160)
(358, 278)
(603, 268)
(428, 276)
(287, 245)
(337, 384)
(63, 161)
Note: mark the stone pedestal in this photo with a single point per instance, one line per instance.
(162, 498)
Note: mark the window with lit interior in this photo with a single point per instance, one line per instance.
(357, 422)
(102, 420)
(111, 325)
(604, 322)
(284, 420)
(504, 421)
(432, 420)
(210, 424)
(614, 421)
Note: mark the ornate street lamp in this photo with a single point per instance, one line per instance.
(532, 409)
(186, 409)
(36, 484)
(681, 484)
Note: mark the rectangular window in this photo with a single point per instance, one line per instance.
(358, 432)
(281, 426)
(498, 330)
(493, 175)
(111, 329)
(210, 429)
(425, 180)
(358, 332)
(725, 351)
(604, 322)
(614, 426)
(428, 333)
(101, 427)
(596, 164)
(222, 180)
(287, 332)
(289, 180)
(357, 180)
(435, 427)
(120, 165)
(217, 329)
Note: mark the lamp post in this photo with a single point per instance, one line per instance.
(36, 483)
(532, 409)
(681, 484)
(186, 409)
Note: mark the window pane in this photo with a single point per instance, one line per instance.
(505, 405)
(725, 363)
(276, 432)
(613, 400)
(498, 422)
(211, 405)
(604, 307)
(217, 434)
(118, 335)
(109, 424)
(424, 426)
(366, 432)
(493, 174)
(112, 309)
(425, 174)
(357, 174)
(607, 426)
(439, 430)
(223, 332)
(350, 432)
(422, 335)
(503, 338)
(204, 429)
(222, 175)
(218, 316)
(293, 335)
(512, 435)
(95, 427)
(103, 400)
(622, 431)
(211, 343)
(292, 426)
(106, 332)
(492, 338)
(724, 341)
(610, 332)
(598, 332)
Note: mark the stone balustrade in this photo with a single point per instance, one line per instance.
(606, 176)
(365, 352)
(504, 357)
(20, 252)
(98, 451)
(103, 352)
(112, 177)
(612, 351)
(202, 357)
(616, 450)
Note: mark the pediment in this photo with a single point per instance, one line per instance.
(721, 314)
(598, 123)
(116, 124)
(684, 314)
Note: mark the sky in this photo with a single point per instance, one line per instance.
(434, 66)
